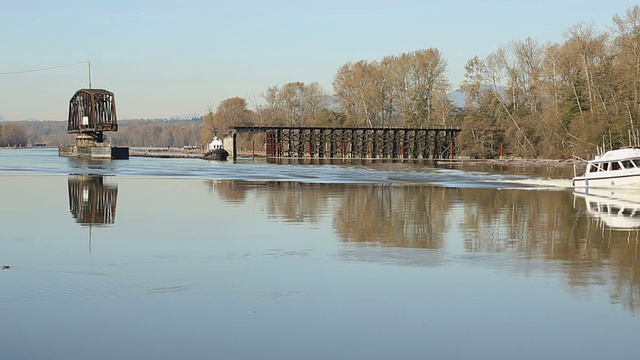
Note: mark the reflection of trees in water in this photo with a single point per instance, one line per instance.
(298, 202)
(526, 221)
(545, 224)
(291, 201)
(407, 216)
(230, 191)
(404, 216)
(625, 264)
(393, 215)
(617, 252)
(91, 201)
(533, 224)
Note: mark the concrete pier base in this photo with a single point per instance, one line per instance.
(95, 152)
(87, 147)
(229, 144)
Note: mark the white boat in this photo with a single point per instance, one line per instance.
(618, 168)
(215, 150)
(615, 212)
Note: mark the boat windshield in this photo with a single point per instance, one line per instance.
(595, 168)
(614, 165)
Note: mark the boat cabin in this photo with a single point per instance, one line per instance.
(613, 165)
(215, 144)
(626, 158)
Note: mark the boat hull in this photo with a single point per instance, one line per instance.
(217, 154)
(627, 180)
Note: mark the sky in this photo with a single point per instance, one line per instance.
(166, 59)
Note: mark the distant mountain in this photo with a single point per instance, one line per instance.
(2, 119)
(333, 103)
(457, 97)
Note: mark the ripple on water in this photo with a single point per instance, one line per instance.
(392, 256)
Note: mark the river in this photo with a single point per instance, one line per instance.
(186, 258)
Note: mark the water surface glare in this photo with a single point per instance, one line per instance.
(185, 258)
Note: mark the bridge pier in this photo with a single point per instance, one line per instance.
(229, 144)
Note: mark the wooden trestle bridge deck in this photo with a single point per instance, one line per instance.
(349, 142)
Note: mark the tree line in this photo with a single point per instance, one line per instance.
(553, 100)
(12, 135)
(135, 133)
(409, 89)
(558, 99)
(537, 100)
(157, 133)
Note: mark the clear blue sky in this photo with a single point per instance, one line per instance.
(172, 58)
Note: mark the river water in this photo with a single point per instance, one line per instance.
(152, 258)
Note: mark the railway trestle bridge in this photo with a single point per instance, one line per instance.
(355, 143)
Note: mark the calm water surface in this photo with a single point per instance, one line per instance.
(184, 258)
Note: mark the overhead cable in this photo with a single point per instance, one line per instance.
(43, 69)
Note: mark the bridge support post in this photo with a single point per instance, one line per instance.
(229, 144)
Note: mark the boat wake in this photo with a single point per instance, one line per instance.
(47, 161)
(540, 184)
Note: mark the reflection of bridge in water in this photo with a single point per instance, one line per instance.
(342, 142)
(91, 201)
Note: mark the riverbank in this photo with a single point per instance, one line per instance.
(516, 162)
(184, 153)
(166, 153)
(195, 153)
(178, 153)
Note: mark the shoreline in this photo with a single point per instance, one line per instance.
(567, 163)
(516, 162)
(196, 154)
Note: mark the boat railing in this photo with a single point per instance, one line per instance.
(575, 171)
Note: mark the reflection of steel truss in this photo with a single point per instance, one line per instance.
(417, 143)
(91, 201)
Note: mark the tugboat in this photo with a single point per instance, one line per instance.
(215, 150)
